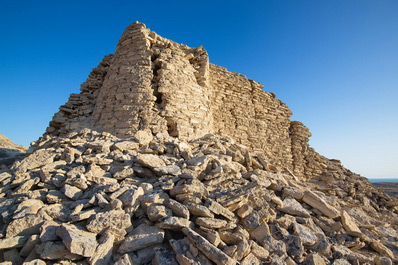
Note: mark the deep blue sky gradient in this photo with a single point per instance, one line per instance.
(334, 63)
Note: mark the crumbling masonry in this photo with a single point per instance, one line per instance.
(152, 83)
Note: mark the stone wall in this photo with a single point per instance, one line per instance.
(77, 112)
(150, 83)
(243, 110)
(154, 84)
(307, 163)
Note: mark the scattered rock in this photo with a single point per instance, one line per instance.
(319, 204)
(115, 219)
(151, 161)
(293, 207)
(13, 242)
(141, 237)
(77, 240)
(349, 225)
(103, 253)
(210, 251)
(154, 187)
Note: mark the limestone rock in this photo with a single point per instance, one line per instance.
(141, 237)
(35, 262)
(174, 223)
(250, 260)
(315, 259)
(274, 246)
(305, 234)
(260, 232)
(48, 231)
(341, 262)
(130, 197)
(124, 260)
(244, 210)
(199, 210)
(178, 208)
(294, 247)
(231, 237)
(382, 261)
(243, 249)
(252, 221)
(12, 255)
(318, 203)
(293, 207)
(116, 218)
(210, 222)
(126, 145)
(217, 208)
(207, 248)
(77, 241)
(38, 158)
(27, 225)
(155, 212)
(349, 225)
(72, 192)
(143, 137)
(345, 253)
(164, 257)
(55, 251)
(27, 207)
(151, 161)
(167, 170)
(13, 242)
(381, 249)
(29, 246)
(103, 253)
(258, 251)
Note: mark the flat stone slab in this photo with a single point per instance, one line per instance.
(149, 160)
(13, 242)
(208, 249)
(141, 237)
(116, 218)
(77, 241)
(318, 203)
(293, 207)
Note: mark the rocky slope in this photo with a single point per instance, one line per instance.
(10, 152)
(91, 198)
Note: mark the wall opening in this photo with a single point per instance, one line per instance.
(156, 65)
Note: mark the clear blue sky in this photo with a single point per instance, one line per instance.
(335, 63)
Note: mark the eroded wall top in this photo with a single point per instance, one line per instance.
(154, 84)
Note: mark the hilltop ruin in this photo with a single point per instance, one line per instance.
(165, 158)
(152, 83)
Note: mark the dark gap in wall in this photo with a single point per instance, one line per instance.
(172, 129)
(155, 68)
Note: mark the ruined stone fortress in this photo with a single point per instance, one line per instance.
(164, 159)
(152, 83)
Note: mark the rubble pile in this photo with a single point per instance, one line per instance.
(92, 198)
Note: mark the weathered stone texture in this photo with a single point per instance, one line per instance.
(155, 84)
(253, 117)
(184, 163)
